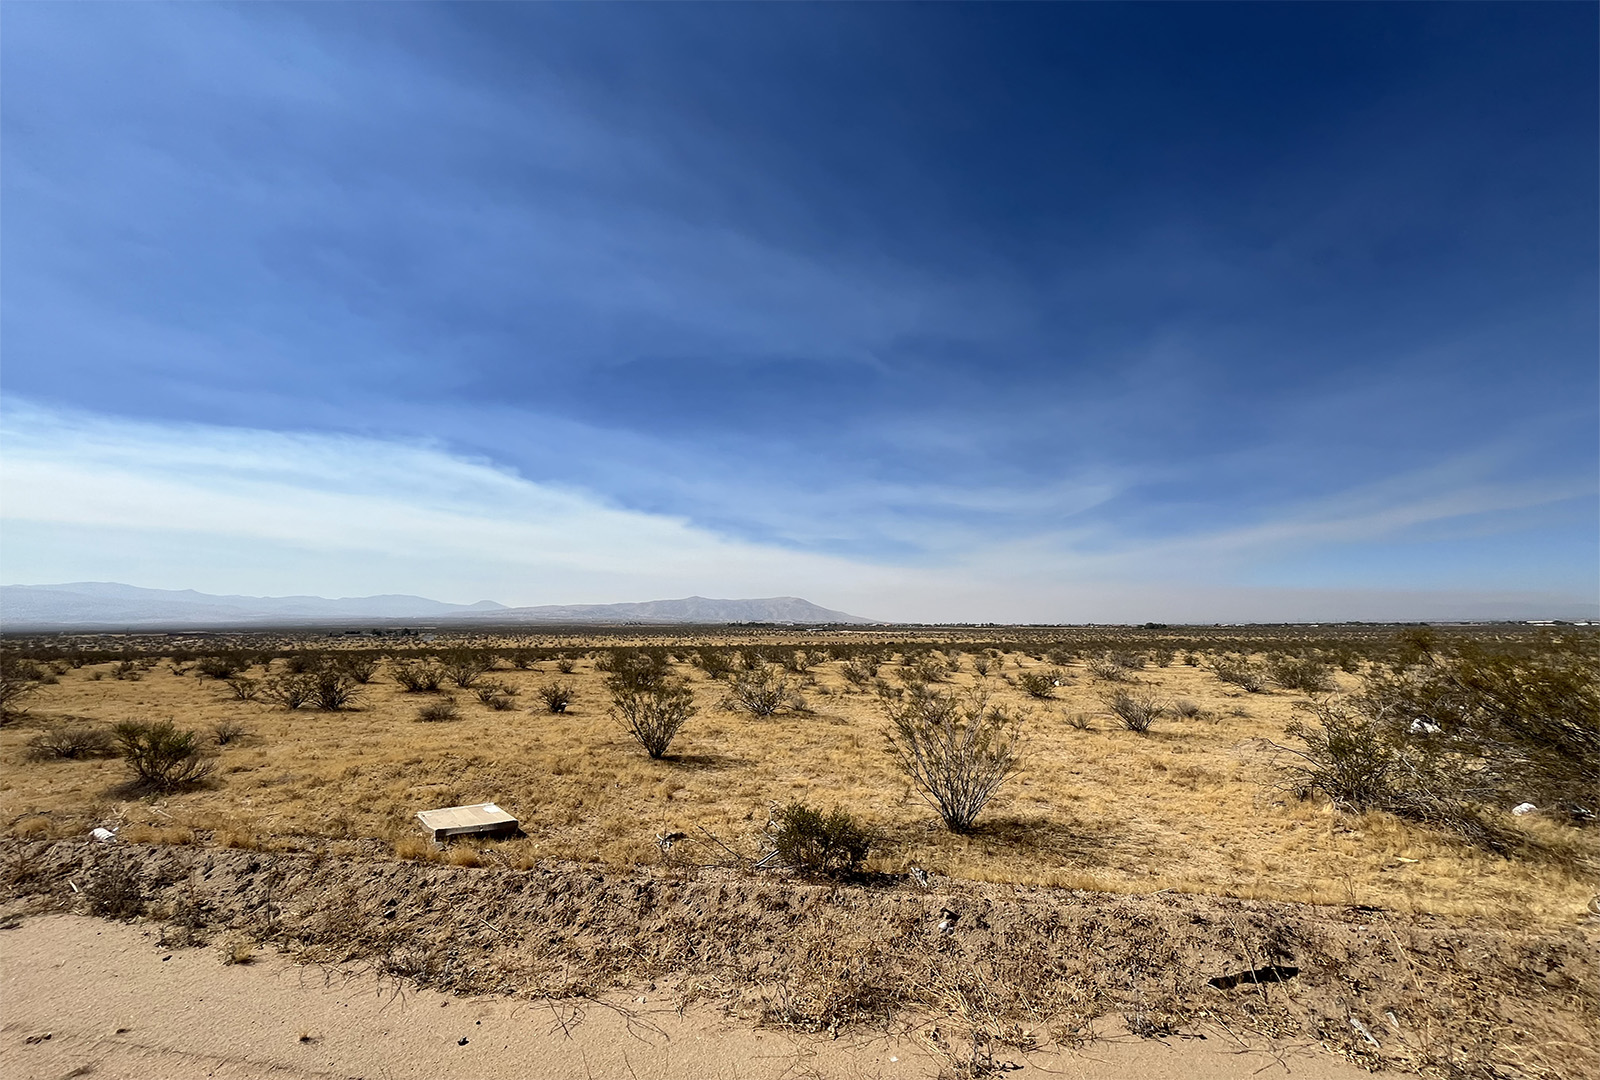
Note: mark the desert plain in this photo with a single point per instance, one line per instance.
(1161, 885)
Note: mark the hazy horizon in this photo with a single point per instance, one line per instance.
(957, 313)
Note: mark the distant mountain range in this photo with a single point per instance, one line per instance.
(102, 605)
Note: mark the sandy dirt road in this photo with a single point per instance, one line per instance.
(87, 998)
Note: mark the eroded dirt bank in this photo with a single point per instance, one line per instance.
(994, 969)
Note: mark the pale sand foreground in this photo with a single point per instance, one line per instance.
(115, 1005)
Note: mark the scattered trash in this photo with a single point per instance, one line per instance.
(104, 835)
(1523, 808)
(1424, 726)
(461, 1041)
(920, 877)
(1594, 905)
(947, 920)
(1361, 1029)
(1272, 973)
(1402, 858)
(33, 1040)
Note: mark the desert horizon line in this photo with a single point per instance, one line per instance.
(93, 606)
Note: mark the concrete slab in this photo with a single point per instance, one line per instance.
(478, 819)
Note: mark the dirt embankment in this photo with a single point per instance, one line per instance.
(998, 968)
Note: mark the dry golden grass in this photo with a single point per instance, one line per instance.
(1188, 807)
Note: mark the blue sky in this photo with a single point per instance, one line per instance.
(1000, 312)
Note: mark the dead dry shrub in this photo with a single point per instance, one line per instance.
(160, 756)
(71, 742)
(438, 712)
(838, 977)
(227, 731)
(113, 888)
(956, 749)
(244, 689)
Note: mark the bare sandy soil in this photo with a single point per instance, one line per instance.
(88, 997)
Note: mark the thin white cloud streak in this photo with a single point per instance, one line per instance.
(338, 495)
(236, 510)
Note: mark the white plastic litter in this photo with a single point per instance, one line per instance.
(1423, 726)
(1523, 808)
(105, 836)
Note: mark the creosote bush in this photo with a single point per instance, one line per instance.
(1241, 673)
(1040, 682)
(465, 666)
(920, 669)
(1305, 674)
(304, 661)
(1457, 737)
(761, 689)
(360, 667)
(333, 689)
(1109, 669)
(956, 749)
(17, 681)
(498, 696)
(1135, 709)
(1348, 756)
(859, 671)
(716, 662)
(290, 690)
(418, 677)
(1510, 729)
(652, 714)
(812, 842)
(557, 696)
(71, 742)
(221, 665)
(161, 756)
